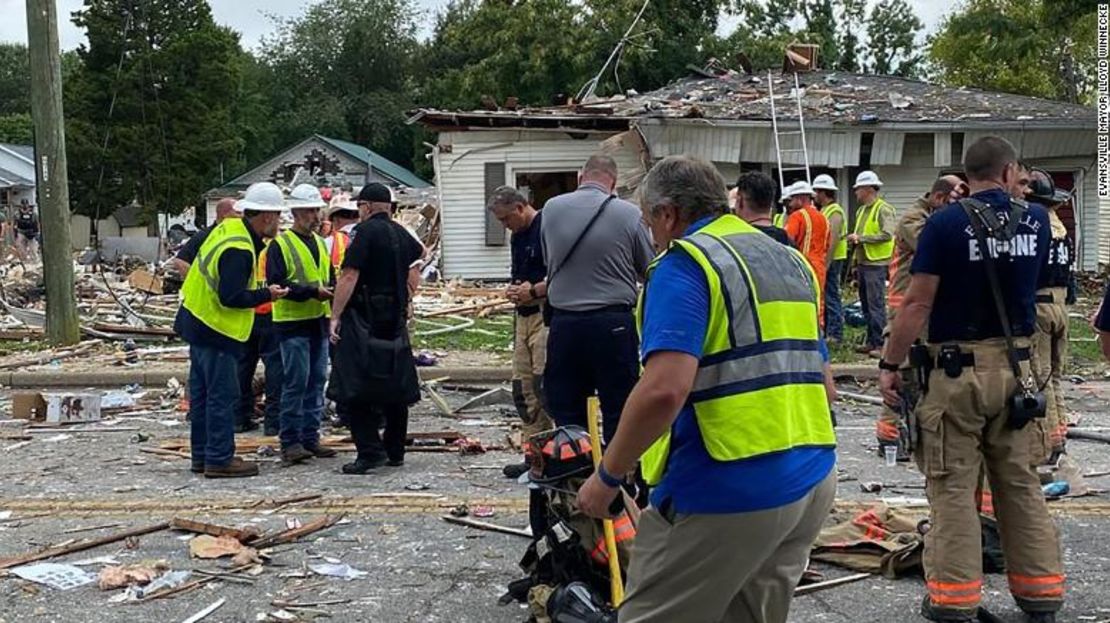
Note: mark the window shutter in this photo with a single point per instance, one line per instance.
(495, 178)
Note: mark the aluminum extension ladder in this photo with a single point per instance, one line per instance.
(794, 140)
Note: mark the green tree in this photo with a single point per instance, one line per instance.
(1034, 47)
(17, 128)
(345, 68)
(852, 18)
(892, 29)
(15, 79)
(821, 29)
(149, 108)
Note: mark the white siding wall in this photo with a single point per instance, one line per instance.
(904, 183)
(462, 184)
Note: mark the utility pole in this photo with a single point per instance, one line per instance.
(52, 180)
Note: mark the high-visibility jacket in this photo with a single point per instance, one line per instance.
(867, 224)
(339, 243)
(779, 219)
(302, 270)
(260, 280)
(834, 208)
(760, 387)
(201, 290)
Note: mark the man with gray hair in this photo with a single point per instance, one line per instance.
(527, 291)
(596, 248)
(730, 419)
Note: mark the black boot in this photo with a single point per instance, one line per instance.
(1040, 617)
(944, 615)
(364, 465)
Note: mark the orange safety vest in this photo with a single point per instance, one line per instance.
(260, 281)
(339, 242)
(894, 295)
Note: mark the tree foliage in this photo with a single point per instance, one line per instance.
(155, 84)
(1031, 47)
(345, 68)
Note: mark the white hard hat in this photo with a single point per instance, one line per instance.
(787, 192)
(305, 196)
(801, 187)
(340, 202)
(261, 197)
(824, 182)
(867, 178)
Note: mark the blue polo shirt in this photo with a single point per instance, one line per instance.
(676, 316)
(964, 308)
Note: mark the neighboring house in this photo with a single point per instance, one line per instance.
(322, 160)
(17, 175)
(909, 132)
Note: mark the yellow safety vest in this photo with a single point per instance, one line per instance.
(760, 386)
(201, 290)
(302, 270)
(841, 251)
(869, 226)
(779, 219)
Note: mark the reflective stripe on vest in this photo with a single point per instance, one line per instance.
(759, 388)
(807, 237)
(874, 251)
(894, 295)
(339, 242)
(302, 270)
(260, 281)
(829, 211)
(201, 290)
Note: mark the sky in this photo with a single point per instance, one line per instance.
(250, 17)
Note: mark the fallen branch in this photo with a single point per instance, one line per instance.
(188, 586)
(164, 452)
(483, 525)
(52, 552)
(288, 536)
(279, 603)
(819, 586)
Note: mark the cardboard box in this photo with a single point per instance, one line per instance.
(66, 407)
(28, 406)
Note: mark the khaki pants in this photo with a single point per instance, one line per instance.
(964, 427)
(529, 358)
(1050, 352)
(733, 568)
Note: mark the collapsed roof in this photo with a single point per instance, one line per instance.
(830, 98)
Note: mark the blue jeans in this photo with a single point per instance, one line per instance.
(587, 352)
(304, 363)
(265, 345)
(213, 396)
(872, 296)
(834, 307)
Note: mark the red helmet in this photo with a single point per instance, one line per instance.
(561, 453)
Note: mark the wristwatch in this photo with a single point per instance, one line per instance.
(889, 367)
(532, 292)
(608, 479)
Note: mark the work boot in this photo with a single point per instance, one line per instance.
(1040, 617)
(197, 468)
(944, 615)
(246, 426)
(395, 462)
(363, 465)
(321, 452)
(514, 470)
(295, 454)
(237, 468)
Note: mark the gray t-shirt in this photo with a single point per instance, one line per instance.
(610, 260)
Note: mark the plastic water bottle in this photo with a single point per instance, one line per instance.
(891, 454)
(1056, 489)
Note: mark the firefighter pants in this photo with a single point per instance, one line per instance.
(529, 357)
(964, 428)
(727, 568)
(1050, 352)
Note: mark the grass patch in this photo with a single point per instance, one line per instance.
(12, 347)
(845, 351)
(492, 335)
(1083, 350)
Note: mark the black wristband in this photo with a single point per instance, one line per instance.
(889, 367)
(532, 292)
(608, 479)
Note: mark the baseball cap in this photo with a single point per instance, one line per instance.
(376, 193)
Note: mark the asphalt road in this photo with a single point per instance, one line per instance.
(418, 567)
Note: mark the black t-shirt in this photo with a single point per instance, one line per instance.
(1056, 272)
(188, 253)
(371, 253)
(527, 252)
(26, 222)
(778, 233)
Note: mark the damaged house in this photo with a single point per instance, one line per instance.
(908, 131)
